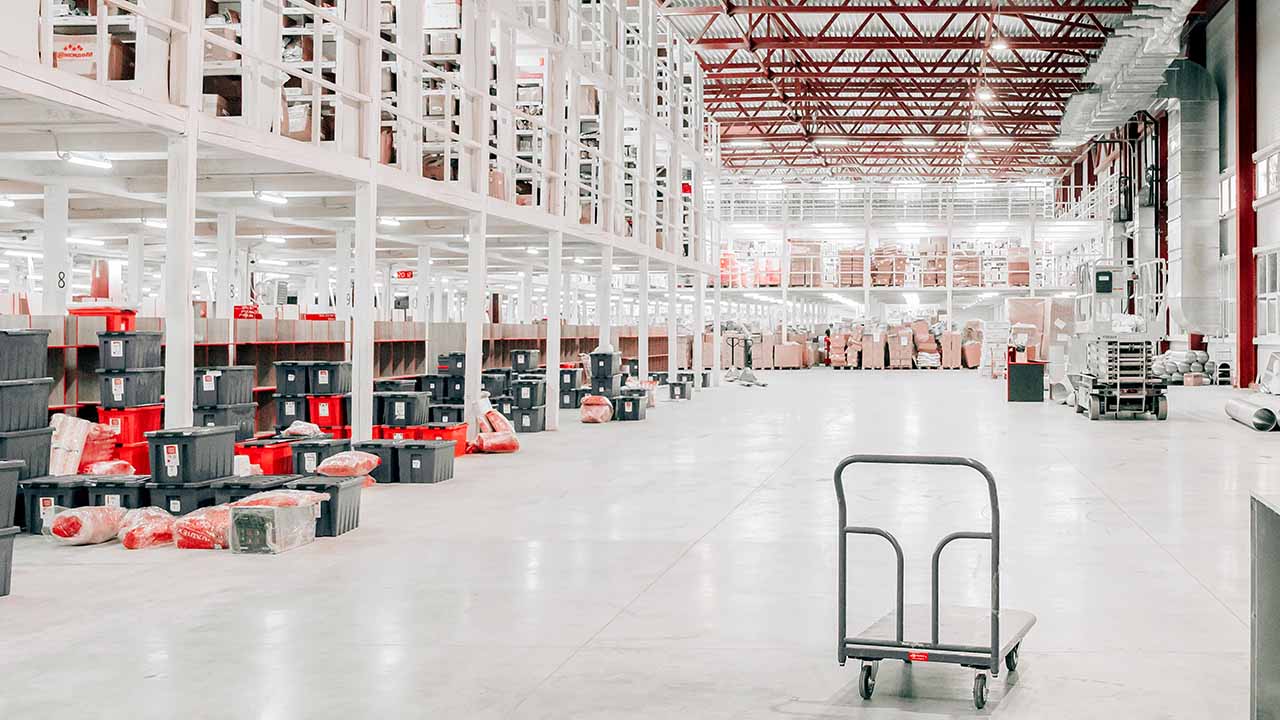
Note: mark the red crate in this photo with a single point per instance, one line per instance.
(118, 319)
(136, 454)
(131, 423)
(339, 433)
(456, 433)
(326, 411)
(275, 458)
(392, 432)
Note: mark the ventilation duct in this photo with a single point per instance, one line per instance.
(1191, 98)
(1128, 72)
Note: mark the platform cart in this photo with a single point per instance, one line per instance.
(958, 634)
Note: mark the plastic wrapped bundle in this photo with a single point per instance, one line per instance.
(110, 467)
(300, 428)
(282, 498)
(85, 525)
(351, 463)
(146, 527)
(99, 446)
(497, 442)
(498, 422)
(208, 528)
(69, 435)
(596, 409)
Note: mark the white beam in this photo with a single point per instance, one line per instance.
(604, 298)
(179, 323)
(555, 266)
(425, 306)
(343, 263)
(136, 265)
(224, 269)
(362, 310)
(57, 275)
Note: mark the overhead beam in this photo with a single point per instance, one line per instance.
(958, 42)
(981, 7)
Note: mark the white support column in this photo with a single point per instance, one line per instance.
(57, 262)
(136, 266)
(642, 323)
(604, 298)
(343, 263)
(699, 325)
(179, 323)
(425, 305)
(324, 283)
(950, 277)
(673, 324)
(224, 269)
(717, 309)
(365, 237)
(525, 307)
(555, 267)
(477, 298)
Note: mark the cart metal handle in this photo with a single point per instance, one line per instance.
(993, 535)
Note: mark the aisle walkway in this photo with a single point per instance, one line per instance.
(685, 568)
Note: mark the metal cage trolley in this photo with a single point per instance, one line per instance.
(963, 628)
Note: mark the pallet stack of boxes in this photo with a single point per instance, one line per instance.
(223, 397)
(528, 391)
(902, 347)
(131, 382)
(316, 391)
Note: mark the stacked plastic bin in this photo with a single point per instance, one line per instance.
(224, 398)
(606, 375)
(449, 394)
(25, 433)
(185, 464)
(131, 380)
(317, 391)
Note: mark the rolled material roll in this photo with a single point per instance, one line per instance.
(1253, 412)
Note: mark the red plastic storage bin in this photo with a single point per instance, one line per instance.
(131, 423)
(136, 454)
(274, 457)
(339, 433)
(326, 410)
(388, 432)
(456, 433)
(118, 319)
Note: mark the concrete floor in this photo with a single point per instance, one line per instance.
(685, 568)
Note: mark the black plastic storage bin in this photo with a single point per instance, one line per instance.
(630, 407)
(658, 376)
(240, 417)
(31, 446)
(308, 454)
(569, 398)
(631, 366)
(43, 494)
(341, 512)
(425, 461)
(529, 393)
(192, 454)
(605, 364)
(433, 386)
(291, 378)
(405, 409)
(446, 414)
(609, 387)
(569, 377)
(680, 389)
(6, 558)
(229, 385)
(395, 385)
(288, 409)
(387, 451)
(129, 349)
(181, 498)
(24, 354)
(582, 392)
(230, 489)
(530, 419)
(453, 364)
(495, 383)
(24, 404)
(526, 360)
(126, 491)
(455, 389)
(504, 404)
(697, 379)
(328, 378)
(9, 472)
(130, 388)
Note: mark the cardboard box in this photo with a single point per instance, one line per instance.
(588, 100)
(951, 350)
(217, 53)
(497, 184)
(79, 54)
(386, 146)
(971, 353)
(446, 43)
(295, 121)
(386, 12)
(433, 167)
(873, 351)
(442, 14)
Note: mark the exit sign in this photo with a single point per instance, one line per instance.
(404, 274)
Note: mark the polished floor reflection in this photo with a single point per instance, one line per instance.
(685, 567)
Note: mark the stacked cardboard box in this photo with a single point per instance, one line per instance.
(851, 267)
(762, 351)
(873, 349)
(952, 353)
(966, 269)
(888, 266)
(806, 263)
(838, 354)
(933, 252)
(1019, 267)
(923, 337)
(902, 347)
(1028, 318)
(788, 355)
(768, 272)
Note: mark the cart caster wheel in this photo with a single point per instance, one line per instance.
(1095, 408)
(980, 691)
(1011, 660)
(866, 682)
(1162, 408)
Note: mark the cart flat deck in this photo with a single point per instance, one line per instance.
(957, 626)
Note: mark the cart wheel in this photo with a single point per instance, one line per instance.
(866, 682)
(980, 691)
(1095, 407)
(1162, 408)
(1011, 660)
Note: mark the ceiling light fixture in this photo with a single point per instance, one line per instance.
(23, 254)
(999, 44)
(579, 261)
(985, 95)
(531, 250)
(158, 223)
(100, 162)
(979, 129)
(274, 263)
(6, 202)
(389, 222)
(744, 143)
(270, 198)
(919, 142)
(273, 239)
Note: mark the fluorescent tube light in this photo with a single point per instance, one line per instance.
(6, 202)
(23, 254)
(389, 222)
(158, 223)
(274, 239)
(101, 162)
(271, 198)
(274, 263)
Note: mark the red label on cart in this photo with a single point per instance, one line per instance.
(918, 657)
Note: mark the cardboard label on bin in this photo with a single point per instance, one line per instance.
(524, 392)
(175, 506)
(399, 411)
(116, 348)
(315, 511)
(117, 388)
(171, 460)
(290, 408)
(322, 377)
(524, 420)
(309, 461)
(46, 508)
(111, 500)
(324, 409)
(417, 463)
(115, 424)
(627, 406)
(289, 377)
(207, 382)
